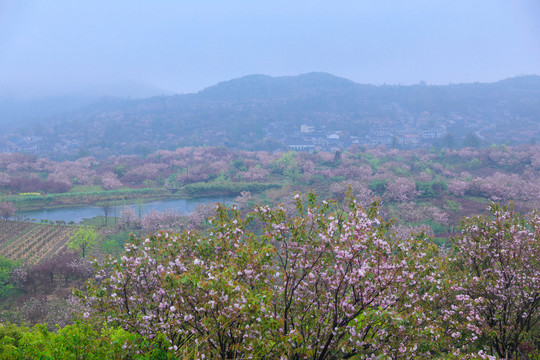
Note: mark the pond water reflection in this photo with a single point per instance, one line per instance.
(77, 214)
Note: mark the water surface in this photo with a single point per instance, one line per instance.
(77, 214)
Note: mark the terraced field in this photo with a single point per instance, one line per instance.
(32, 242)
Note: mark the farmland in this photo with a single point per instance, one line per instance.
(32, 242)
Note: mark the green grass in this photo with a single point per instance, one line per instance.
(85, 188)
(31, 202)
(226, 188)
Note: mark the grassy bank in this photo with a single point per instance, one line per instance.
(219, 188)
(94, 194)
(26, 202)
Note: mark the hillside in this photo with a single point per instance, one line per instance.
(263, 112)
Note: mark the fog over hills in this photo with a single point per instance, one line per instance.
(19, 105)
(262, 112)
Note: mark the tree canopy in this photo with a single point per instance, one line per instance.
(84, 239)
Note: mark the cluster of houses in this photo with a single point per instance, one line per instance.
(310, 139)
(36, 144)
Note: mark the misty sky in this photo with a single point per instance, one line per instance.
(59, 46)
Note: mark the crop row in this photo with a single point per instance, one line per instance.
(10, 230)
(40, 242)
(53, 243)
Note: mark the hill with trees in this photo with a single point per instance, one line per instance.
(259, 112)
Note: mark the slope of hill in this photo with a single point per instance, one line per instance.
(260, 112)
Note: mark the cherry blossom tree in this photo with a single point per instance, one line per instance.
(148, 171)
(7, 210)
(129, 217)
(457, 187)
(110, 181)
(4, 179)
(243, 200)
(406, 231)
(194, 174)
(535, 160)
(401, 189)
(77, 172)
(360, 191)
(342, 283)
(255, 173)
(412, 212)
(501, 186)
(326, 283)
(198, 218)
(166, 220)
(495, 281)
(200, 292)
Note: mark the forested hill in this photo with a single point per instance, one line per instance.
(285, 88)
(260, 112)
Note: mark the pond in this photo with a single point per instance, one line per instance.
(77, 214)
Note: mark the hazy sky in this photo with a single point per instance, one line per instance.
(183, 46)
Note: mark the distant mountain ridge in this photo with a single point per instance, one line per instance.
(260, 112)
(264, 87)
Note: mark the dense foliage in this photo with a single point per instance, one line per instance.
(77, 341)
(306, 278)
(318, 284)
(326, 282)
(420, 188)
(496, 280)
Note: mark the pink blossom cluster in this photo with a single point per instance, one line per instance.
(315, 283)
(254, 173)
(494, 293)
(110, 181)
(7, 210)
(167, 220)
(401, 189)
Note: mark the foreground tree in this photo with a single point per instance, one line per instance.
(344, 286)
(495, 288)
(194, 293)
(77, 341)
(326, 283)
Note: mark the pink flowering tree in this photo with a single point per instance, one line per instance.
(110, 181)
(457, 187)
(129, 217)
(495, 282)
(360, 191)
(4, 179)
(245, 201)
(325, 283)
(401, 189)
(166, 220)
(148, 171)
(198, 218)
(343, 286)
(198, 296)
(7, 210)
(255, 173)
